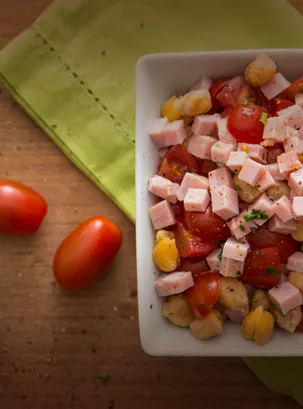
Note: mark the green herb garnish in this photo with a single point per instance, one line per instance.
(255, 215)
(271, 271)
(263, 118)
(245, 102)
(242, 227)
(238, 188)
(220, 255)
(217, 145)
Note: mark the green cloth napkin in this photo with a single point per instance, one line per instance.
(73, 72)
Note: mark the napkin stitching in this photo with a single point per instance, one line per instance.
(125, 133)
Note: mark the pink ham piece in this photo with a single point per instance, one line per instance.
(283, 209)
(291, 133)
(163, 188)
(235, 249)
(200, 146)
(236, 161)
(299, 99)
(225, 202)
(263, 204)
(283, 278)
(205, 125)
(274, 87)
(295, 181)
(213, 260)
(220, 152)
(293, 144)
(156, 132)
(223, 133)
(266, 181)
(193, 181)
(239, 227)
(163, 152)
(274, 171)
(295, 262)
(231, 268)
(173, 283)
(300, 134)
(203, 82)
(297, 208)
(255, 152)
(274, 129)
(162, 215)
(285, 297)
(292, 116)
(220, 177)
(236, 316)
(288, 163)
(196, 200)
(251, 172)
(174, 133)
(278, 226)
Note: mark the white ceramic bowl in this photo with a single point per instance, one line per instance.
(159, 76)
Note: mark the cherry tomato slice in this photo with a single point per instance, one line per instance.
(273, 152)
(246, 123)
(285, 244)
(176, 163)
(204, 294)
(206, 166)
(262, 268)
(295, 88)
(194, 265)
(235, 91)
(277, 104)
(188, 244)
(207, 225)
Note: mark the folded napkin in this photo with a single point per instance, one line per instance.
(73, 72)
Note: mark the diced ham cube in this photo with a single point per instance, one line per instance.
(223, 133)
(173, 283)
(255, 152)
(163, 188)
(278, 226)
(174, 133)
(295, 182)
(251, 172)
(275, 129)
(156, 132)
(295, 262)
(213, 260)
(266, 181)
(200, 146)
(220, 177)
(236, 161)
(273, 169)
(239, 227)
(283, 208)
(203, 82)
(205, 125)
(274, 87)
(163, 152)
(196, 200)
(292, 116)
(293, 144)
(220, 152)
(162, 215)
(225, 202)
(286, 297)
(283, 278)
(291, 133)
(300, 134)
(299, 99)
(236, 316)
(292, 194)
(297, 208)
(235, 249)
(288, 162)
(193, 181)
(231, 268)
(265, 205)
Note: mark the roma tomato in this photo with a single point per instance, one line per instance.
(246, 123)
(262, 237)
(194, 265)
(207, 225)
(235, 91)
(176, 163)
(204, 294)
(190, 245)
(22, 210)
(277, 104)
(273, 152)
(86, 252)
(295, 88)
(206, 166)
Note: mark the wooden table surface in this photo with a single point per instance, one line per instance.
(55, 347)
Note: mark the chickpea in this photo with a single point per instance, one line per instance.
(260, 297)
(290, 321)
(296, 279)
(260, 71)
(298, 233)
(258, 325)
(278, 190)
(171, 109)
(164, 234)
(233, 294)
(165, 254)
(207, 327)
(196, 102)
(177, 311)
(246, 192)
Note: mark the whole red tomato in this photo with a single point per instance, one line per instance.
(86, 252)
(22, 210)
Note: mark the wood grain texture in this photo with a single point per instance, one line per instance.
(55, 346)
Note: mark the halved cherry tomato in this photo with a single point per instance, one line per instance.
(215, 89)
(190, 245)
(262, 268)
(176, 163)
(204, 294)
(295, 88)
(22, 210)
(285, 244)
(235, 91)
(205, 166)
(246, 123)
(194, 265)
(273, 152)
(277, 104)
(207, 225)
(86, 252)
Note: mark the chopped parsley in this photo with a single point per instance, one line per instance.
(238, 188)
(258, 252)
(245, 102)
(217, 145)
(271, 271)
(263, 118)
(255, 215)
(242, 227)
(220, 255)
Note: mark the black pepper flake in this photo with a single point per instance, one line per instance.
(83, 331)
(151, 306)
